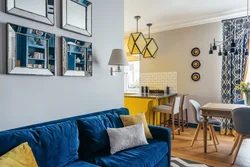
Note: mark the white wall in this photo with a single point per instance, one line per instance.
(174, 55)
(27, 100)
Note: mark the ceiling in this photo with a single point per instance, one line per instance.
(173, 14)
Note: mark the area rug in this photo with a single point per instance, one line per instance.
(177, 162)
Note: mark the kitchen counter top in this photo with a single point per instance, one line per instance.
(149, 95)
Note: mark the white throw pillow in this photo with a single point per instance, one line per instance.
(126, 137)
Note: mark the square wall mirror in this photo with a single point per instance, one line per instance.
(77, 16)
(30, 51)
(77, 57)
(36, 10)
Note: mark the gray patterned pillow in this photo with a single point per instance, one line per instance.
(127, 137)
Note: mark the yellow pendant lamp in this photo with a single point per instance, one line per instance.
(151, 48)
(137, 42)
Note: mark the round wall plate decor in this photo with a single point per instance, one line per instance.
(195, 51)
(196, 76)
(196, 64)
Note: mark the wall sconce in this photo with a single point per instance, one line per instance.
(119, 58)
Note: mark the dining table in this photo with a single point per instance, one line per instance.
(216, 110)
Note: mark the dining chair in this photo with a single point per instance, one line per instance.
(172, 110)
(199, 120)
(241, 119)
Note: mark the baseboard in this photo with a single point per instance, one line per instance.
(194, 125)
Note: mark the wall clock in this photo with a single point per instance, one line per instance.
(196, 76)
(195, 52)
(196, 64)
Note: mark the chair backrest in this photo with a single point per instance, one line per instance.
(184, 102)
(241, 119)
(176, 105)
(196, 109)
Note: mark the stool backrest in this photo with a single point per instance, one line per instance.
(184, 102)
(241, 119)
(176, 105)
(196, 110)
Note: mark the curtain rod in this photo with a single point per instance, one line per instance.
(234, 18)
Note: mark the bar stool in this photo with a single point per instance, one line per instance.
(172, 110)
(183, 108)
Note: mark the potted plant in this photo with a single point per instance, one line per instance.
(244, 88)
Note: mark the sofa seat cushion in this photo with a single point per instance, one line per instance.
(52, 145)
(93, 134)
(81, 164)
(142, 156)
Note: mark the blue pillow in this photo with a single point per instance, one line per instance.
(52, 145)
(93, 134)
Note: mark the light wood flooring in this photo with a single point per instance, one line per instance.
(181, 149)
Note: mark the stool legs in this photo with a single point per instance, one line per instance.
(179, 124)
(182, 120)
(173, 127)
(187, 118)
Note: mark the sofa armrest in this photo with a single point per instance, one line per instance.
(162, 134)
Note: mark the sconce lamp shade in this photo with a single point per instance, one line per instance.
(136, 43)
(118, 57)
(151, 49)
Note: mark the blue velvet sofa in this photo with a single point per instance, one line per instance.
(82, 141)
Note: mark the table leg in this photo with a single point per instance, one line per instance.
(205, 120)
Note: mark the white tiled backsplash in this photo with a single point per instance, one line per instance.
(160, 80)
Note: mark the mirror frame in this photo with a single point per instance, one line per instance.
(11, 66)
(12, 9)
(65, 25)
(86, 71)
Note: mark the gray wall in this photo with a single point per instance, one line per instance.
(174, 55)
(26, 100)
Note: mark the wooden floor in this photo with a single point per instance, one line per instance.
(181, 149)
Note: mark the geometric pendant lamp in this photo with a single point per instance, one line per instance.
(151, 48)
(136, 42)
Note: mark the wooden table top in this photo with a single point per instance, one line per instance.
(221, 107)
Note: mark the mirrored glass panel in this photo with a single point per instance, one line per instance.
(77, 57)
(30, 51)
(77, 16)
(37, 10)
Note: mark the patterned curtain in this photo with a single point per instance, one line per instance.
(233, 67)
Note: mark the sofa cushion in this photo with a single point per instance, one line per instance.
(21, 156)
(81, 164)
(126, 137)
(52, 145)
(93, 132)
(142, 156)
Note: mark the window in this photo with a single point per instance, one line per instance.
(132, 77)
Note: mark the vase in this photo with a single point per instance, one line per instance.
(247, 98)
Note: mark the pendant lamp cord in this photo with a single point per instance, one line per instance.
(137, 22)
(137, 25)
(148, 31)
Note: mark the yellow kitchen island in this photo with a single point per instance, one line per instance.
(144, 102)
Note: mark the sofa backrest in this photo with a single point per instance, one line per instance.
(93, 134)
(56, 143)
(52, 145)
